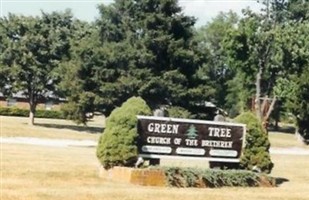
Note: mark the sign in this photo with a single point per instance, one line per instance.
(162, 137)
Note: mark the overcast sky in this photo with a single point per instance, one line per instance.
(204, 10)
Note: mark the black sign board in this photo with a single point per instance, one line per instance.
(162, 137)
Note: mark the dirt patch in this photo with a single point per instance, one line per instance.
(146, 177)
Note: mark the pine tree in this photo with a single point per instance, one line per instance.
(192, 132)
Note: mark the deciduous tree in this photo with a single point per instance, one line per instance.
(215, 69)
(32, 48)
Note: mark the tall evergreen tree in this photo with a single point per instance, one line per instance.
(157, 55)
(78, 80)
(142, 48)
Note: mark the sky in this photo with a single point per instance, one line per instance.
(203, 10)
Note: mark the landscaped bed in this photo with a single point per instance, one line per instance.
(188, 177)
(211, 178)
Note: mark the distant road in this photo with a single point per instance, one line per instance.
(93, 143)
(48, 142)
(289, 151)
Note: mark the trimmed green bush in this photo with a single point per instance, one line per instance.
(118, 143)
(256, 151)
(14, 111)
(53, 114)
(75, 112)
(179, 112)
(193, 177)
(18, 112)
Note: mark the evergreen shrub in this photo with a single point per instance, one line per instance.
(178, 112)
(118, 143)
(75, 112)
(194, 177)
(256, 151)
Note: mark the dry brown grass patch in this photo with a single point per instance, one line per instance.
(48, 173)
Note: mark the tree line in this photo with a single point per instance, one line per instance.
(150, 48)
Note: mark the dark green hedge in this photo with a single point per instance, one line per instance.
(5, 111)
(193, 177)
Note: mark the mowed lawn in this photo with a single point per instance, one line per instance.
(51, 128)
(31, 172)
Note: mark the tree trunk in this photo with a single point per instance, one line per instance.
(276, 111)
(257, 102)
(299, 136)
(263, 60)
(32, 105)
(271, 108)
(264, 105)
(31, 114)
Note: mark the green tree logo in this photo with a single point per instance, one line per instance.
(192, 132)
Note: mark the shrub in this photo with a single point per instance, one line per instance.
(256, 151)
(18, 112)
(299, 105)
(118, 144)
(75, 112)
(193, 177)
(178, 112)
(14, 111)
(53, 114)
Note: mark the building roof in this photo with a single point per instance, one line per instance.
(21, 95)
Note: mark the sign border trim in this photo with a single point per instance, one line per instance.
(231, 160)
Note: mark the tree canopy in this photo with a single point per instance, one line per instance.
(142, 48)
(151, 49)
(31, 48)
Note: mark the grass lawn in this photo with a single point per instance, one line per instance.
(285, 137)
(45, 173)
(278, 139)
(50, 128)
